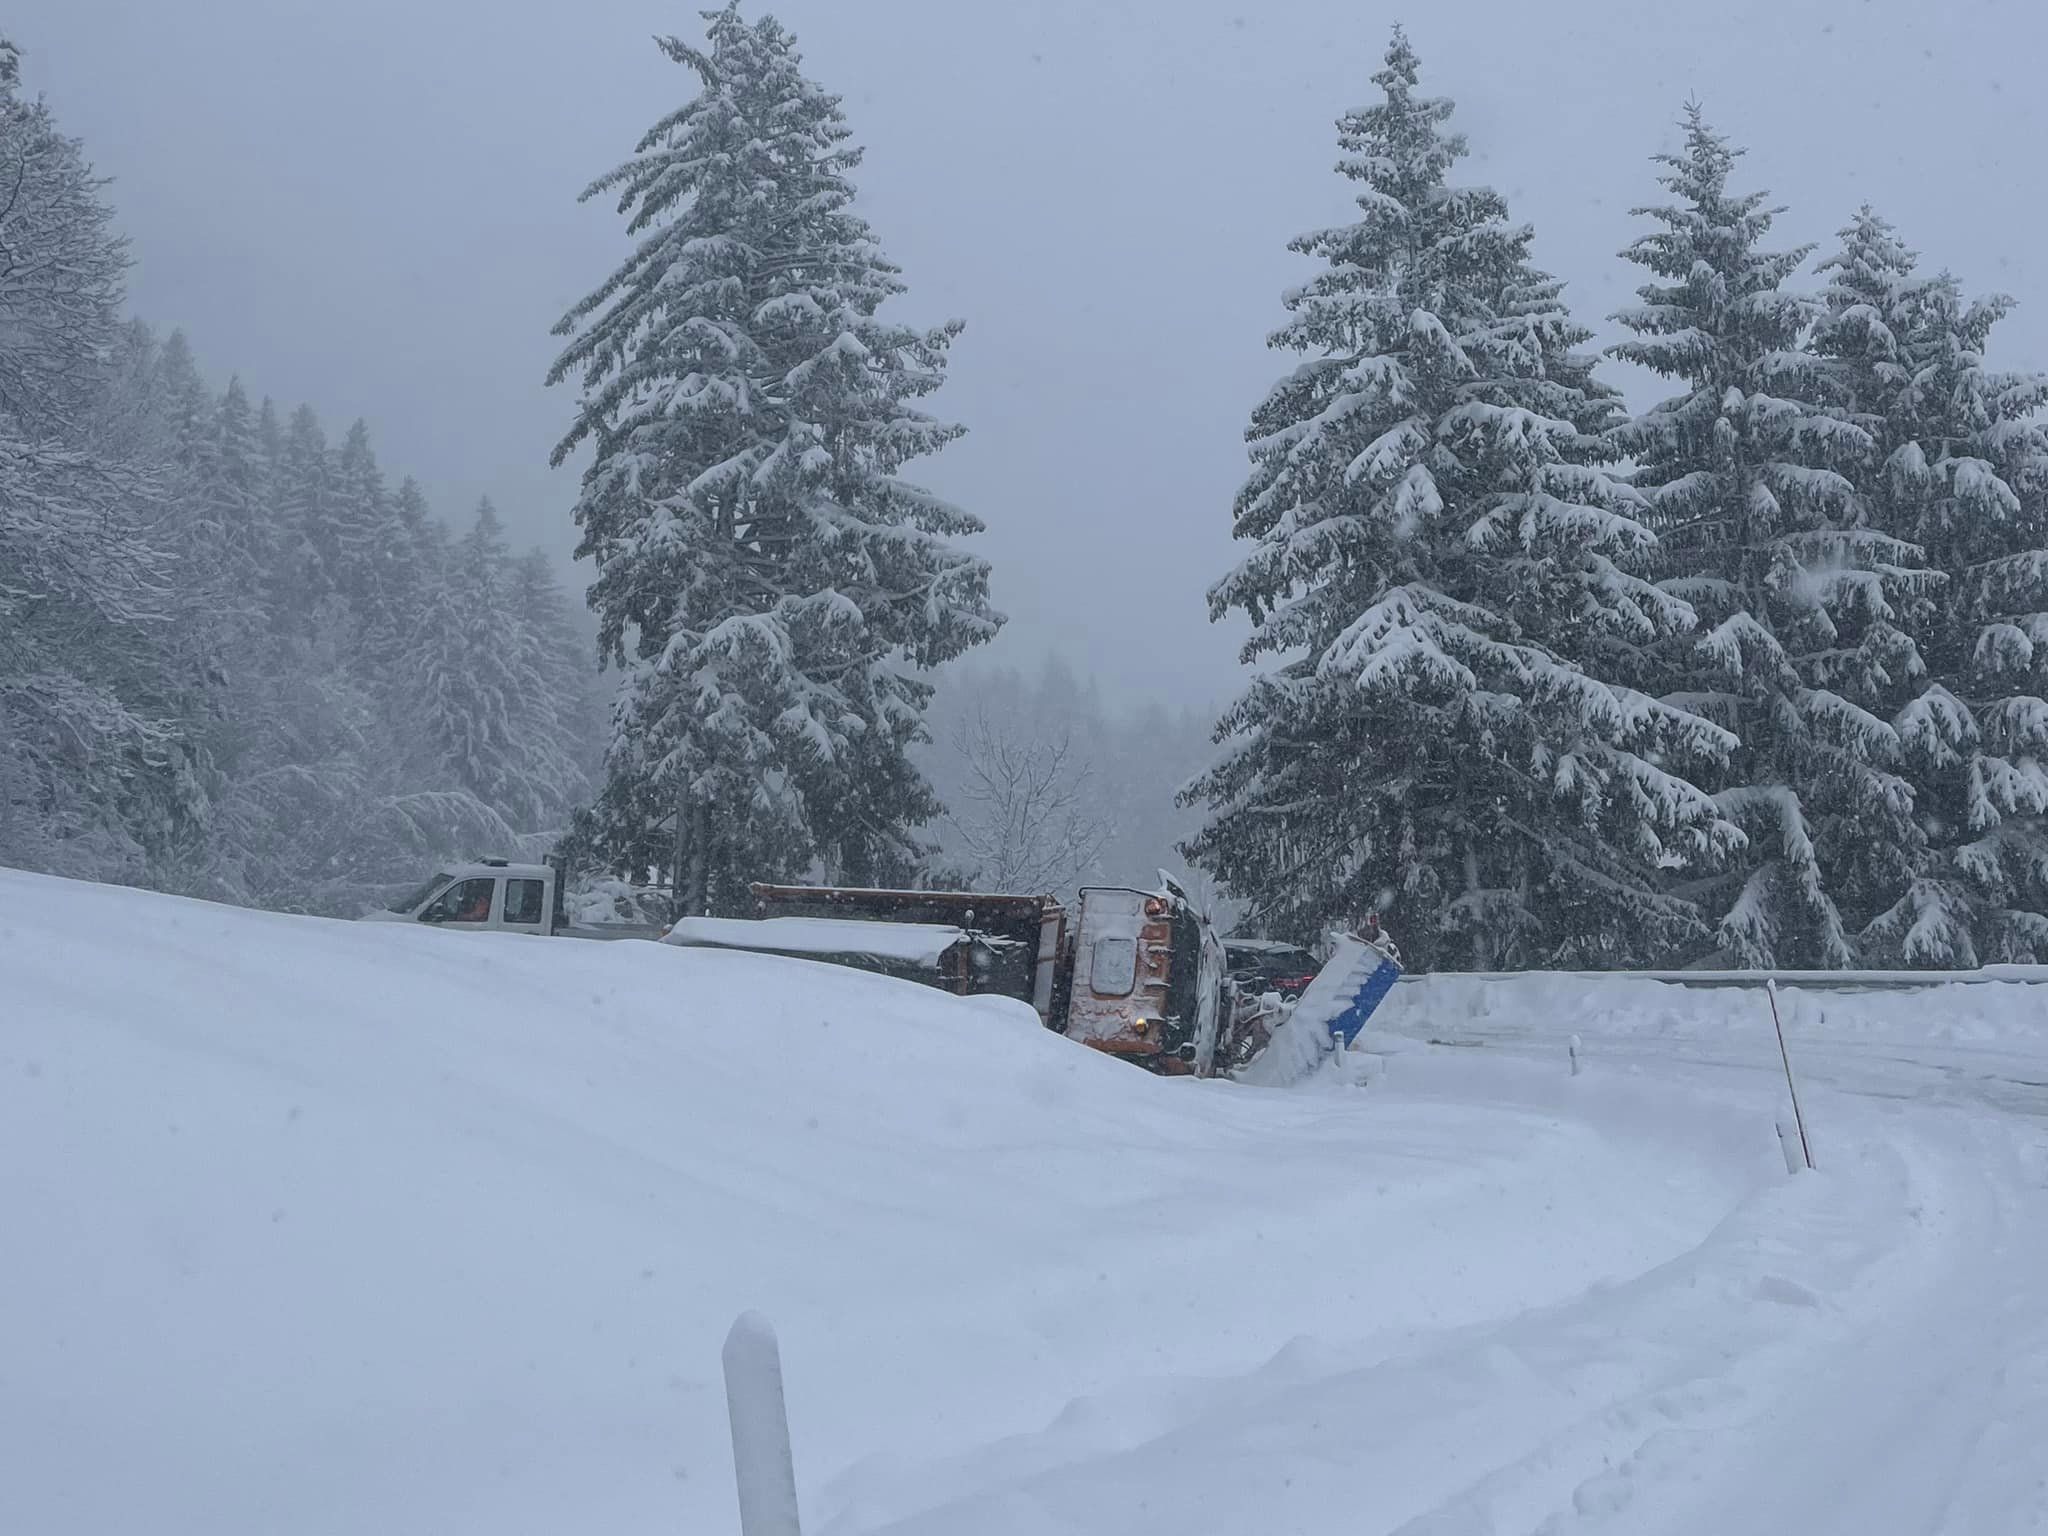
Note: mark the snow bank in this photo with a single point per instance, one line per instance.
(329, 1228)
(1299, 1046)
(2010, 1009)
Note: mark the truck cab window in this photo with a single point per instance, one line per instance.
(466, 902)
(524, 902)
(1113, 969)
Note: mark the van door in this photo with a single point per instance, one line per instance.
(472, 905)
(524, 906)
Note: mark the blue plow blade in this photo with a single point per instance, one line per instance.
(1366, 976)
(1369, 997)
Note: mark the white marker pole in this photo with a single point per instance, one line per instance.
(761, 1457)
(1573, 1047)
(1798, 1118)
(1788, 1143)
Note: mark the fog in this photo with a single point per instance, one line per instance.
(372, 207)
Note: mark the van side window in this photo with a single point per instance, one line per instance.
(523, 900)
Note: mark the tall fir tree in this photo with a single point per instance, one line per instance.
(556, 716)
(1745, 473)
(200, 608)
(227, 572)
(472, 672)
(308, 552)
(362, 519)
(417, 521)
(124, 420)
(269, 492)
(184, 406)
(770, 587)
(1440, 554)
(269, 456)
(426, 541)
(202, 515)
(234, 493)
(1960, 469)
(385, 570)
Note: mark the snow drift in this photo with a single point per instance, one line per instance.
(324, 1228)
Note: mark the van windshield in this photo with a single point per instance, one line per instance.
(416, 898)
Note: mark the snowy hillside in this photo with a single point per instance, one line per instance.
(320, 1228)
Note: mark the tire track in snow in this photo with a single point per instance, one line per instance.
(1920, 1403)
(1833, 1319)
(1866, 1420)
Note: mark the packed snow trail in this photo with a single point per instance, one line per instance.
(329, 1228)
(1860, 1350)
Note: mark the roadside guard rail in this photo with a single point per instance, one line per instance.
(1821, 981)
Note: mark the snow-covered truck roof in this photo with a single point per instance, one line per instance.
(480, 868)
(904, 943)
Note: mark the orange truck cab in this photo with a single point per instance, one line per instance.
(1146, 979)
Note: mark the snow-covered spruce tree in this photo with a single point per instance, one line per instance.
(499, 684)
(217, 522)
(372, 567)
(306, 549)
(1762, 533)
(1861, 334)
(183, 405)
(1451, 581)
(339, 787)
(123, 421)
(220, 624)
(769, 586)
(269, 461)
(234, 492)
(1961, 471)
(423, 539)
(558, 716)
(470, 671)
(205, 612)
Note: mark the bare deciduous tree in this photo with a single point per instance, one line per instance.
(1025, 820)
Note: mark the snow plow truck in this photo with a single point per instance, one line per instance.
(1133, 973)
(1137, 974)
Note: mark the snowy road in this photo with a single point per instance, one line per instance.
(1863, 1350)
(330, 1228)
(1892, 1373)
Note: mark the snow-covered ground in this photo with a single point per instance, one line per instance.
(317, 1228)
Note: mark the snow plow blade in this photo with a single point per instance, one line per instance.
(1347, 991)
(1359, 976)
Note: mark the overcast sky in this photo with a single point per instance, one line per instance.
(371, 205)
